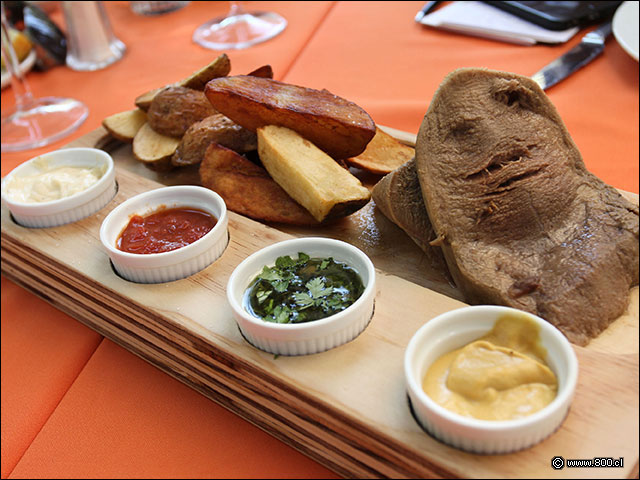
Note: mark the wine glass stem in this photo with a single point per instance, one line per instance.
(19, 84)
(235, 8)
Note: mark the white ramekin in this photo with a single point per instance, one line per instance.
(69, 209)
(453, 330)
(175, 264)
(310, 337)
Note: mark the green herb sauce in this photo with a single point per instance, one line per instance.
(302, 290)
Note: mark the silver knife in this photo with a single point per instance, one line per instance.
(590, 47)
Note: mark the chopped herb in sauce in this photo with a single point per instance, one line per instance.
(302, 290)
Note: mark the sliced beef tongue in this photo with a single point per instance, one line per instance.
(399, 197)
(520, 220)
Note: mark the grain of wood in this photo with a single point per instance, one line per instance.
(345, 408)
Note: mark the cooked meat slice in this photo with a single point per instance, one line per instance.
(522, 222)
(175, 109)
(399, 196)
(214, 129)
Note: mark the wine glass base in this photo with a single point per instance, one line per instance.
(239, 31)
(42, 122)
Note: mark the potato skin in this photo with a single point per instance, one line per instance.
(220, 67)
(214, 129)
(383, 155)
(154, 149)
(337, 126)
(125, 125)
(248, 189)
(264, 71)
(174, 109)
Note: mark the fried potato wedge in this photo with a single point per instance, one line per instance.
(214, 129)
(383, 155)
(310, 176)
(220, 67)
(125, 125)
(175, 109)
(143, 102)
(153, 149)
(248, 189)
(264, 71)
(337, 126)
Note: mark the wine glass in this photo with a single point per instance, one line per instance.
(239, 29)
(34, 122)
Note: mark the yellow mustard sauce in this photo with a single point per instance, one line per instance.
(51, 183)
(501, 376)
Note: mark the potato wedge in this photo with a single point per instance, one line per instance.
(125, 125)
(175, 109)
(153, 149)
(220, 67)
(214, 129)
(310, 176)
(264, 71)
(143, 102)
(383, 155)
(340, 128)
(248, 189)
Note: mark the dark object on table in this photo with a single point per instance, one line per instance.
(49, 42)
(14, 14)
(559, 15)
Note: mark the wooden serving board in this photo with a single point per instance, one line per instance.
(346, 408)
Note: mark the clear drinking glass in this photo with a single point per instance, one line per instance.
(34, 122)
(91, 43)
(239, 29)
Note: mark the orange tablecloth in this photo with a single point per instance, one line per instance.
(76, 405)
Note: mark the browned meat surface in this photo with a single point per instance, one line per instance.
(214, 129)
(399, 196)
(521, 221)
(175, 109)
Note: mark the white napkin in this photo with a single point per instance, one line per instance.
(483, 20)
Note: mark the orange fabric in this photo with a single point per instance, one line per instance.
(122, 417)
(374, 54)
(43, 351)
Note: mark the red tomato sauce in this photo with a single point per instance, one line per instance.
(165, 230)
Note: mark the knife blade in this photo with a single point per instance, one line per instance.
(591, 45)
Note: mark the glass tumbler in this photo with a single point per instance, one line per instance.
(91, 43)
